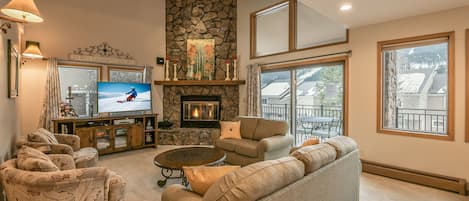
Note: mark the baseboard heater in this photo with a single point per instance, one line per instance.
(447, 183)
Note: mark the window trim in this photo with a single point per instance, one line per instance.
(292, 37)
(331, 60)
(467, 87)
(451, 89)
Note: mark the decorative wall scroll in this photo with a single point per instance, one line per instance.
(102, 53)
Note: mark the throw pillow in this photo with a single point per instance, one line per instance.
(310, 141)
(31, 159)
(230, 129)
(201, 177)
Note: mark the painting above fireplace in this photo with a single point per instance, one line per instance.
(200, 111)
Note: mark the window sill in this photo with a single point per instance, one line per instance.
(448, 137)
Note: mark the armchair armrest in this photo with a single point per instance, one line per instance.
(116, 187)
(51, 148)
(71, 140)
(275, 142)
(177, 192)
(62, 161)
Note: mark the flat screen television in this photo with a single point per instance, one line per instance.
(123, 97)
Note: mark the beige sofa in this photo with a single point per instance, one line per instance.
(96, 183)
(323, 172)
(262, 139)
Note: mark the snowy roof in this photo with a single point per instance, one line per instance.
(410, 83)
(275, 89)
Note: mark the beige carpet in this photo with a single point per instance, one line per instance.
(141, 176)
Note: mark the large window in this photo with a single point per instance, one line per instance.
(293, 25)
(416, 86)
(310, 96)
(78, 83)
(78, 86)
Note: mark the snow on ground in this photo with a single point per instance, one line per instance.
(111, 104)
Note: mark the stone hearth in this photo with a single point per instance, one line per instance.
(172, 112)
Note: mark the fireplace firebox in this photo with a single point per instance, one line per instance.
(200, 111)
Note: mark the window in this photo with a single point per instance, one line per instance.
(78, 83)
(311, 96)
(125, 74)
(78, 87)
(416, 86)
(291, 26)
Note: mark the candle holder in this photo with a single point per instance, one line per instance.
(227, 76)
(235, 69)
(166, 69)
(175, 73)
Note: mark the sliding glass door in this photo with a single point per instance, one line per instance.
(311, 98)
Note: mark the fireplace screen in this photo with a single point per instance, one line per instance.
(200, 111)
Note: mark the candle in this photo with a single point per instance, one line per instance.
(227, 70)
(175, 74)
(235, 68)
(166, 69)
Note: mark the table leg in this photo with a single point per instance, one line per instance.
(167, 174)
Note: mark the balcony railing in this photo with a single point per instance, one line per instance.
(421, 120)
(282, 111)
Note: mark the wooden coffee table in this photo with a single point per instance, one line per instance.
(173, 160)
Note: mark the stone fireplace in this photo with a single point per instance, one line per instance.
(197, 132)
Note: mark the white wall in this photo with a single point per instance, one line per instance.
(136, 27)
(447, 158)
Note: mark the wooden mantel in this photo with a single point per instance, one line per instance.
(200, 82)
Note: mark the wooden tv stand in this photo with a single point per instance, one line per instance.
(107, 135)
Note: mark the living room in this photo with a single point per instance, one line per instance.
(412, 137)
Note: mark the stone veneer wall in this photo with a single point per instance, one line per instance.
(172, 100)
(201, 19)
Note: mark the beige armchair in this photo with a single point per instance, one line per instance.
(96, 183)
(66, 144)
(262, 139)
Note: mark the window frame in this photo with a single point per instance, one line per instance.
(323, 61)
(451, 86)
(128, 69)
(292, 32)
(467, 87)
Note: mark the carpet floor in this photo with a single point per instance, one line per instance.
(141, 175)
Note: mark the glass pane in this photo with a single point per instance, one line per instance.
(125, 76)
(314, 29)
(272, 30)
(276, 95)
(78, 87)
(103, 139)
(319, 102)
(415, 94)
(121, 137)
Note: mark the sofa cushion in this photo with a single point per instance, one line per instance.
(268, 128)
(343, 145)
(31, 159)
(315, 156)
(247, 147)
(230, 130)
(226, 144)
(256, 180)
(248, 126)
(201, 177)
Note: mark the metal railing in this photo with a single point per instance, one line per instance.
(282, 112)
(421, 120)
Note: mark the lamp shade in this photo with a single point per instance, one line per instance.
(33, 50)
(23, 10)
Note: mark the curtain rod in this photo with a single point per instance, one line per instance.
(99, 63)
(312, 57)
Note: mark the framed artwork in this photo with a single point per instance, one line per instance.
(12, 69)
(200, 59)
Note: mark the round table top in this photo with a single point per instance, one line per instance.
(189, 156)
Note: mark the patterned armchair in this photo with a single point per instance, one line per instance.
(63, 144)
(94, 184)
